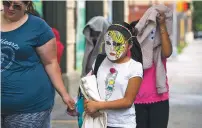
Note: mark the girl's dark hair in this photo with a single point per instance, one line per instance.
(133, 24)
(30, 6)
(136, 52)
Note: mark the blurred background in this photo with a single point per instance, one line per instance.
(184, 66)
(70, 17)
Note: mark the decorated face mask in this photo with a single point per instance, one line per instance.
(115, 44)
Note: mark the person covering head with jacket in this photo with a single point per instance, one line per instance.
(154, 33)
(93, 32)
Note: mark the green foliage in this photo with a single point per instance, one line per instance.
(197, 15)
(181, 46)
(197, 4)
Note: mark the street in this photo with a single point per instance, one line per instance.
(185, 80)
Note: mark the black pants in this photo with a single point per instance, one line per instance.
(153, 115)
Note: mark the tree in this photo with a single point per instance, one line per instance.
(197, 15)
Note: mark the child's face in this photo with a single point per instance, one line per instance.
(115, 45)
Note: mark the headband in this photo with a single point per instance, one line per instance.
(124, 30)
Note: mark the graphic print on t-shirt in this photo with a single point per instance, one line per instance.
(7, 54)
(109, 83)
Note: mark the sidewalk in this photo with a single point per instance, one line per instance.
(184, 75)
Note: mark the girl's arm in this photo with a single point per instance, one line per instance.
(126, 102)
(165, 40)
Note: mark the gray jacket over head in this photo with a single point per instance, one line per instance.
(150, 42)
(98, 24)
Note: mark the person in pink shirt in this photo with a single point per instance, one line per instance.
(60, 46)
(152, 109)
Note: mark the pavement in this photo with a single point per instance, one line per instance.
(185, 80)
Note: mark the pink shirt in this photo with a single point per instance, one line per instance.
(147, 92)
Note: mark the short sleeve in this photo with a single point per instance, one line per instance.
(45, 34)
(136, 70)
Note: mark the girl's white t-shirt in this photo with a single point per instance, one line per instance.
(112, 79)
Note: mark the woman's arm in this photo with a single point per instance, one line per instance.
(165, 40)
(48, 55)
(126, 102)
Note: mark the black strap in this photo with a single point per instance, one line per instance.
(98, 62)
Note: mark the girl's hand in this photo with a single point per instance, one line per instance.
(96, 114)
(72, 112)
(161, 17)
(91, 106)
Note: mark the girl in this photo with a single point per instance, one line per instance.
(152, 109)
(119, 78)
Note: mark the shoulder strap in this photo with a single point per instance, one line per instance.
(98, 62)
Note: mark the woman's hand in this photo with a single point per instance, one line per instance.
(69, 102)
(91, 106)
